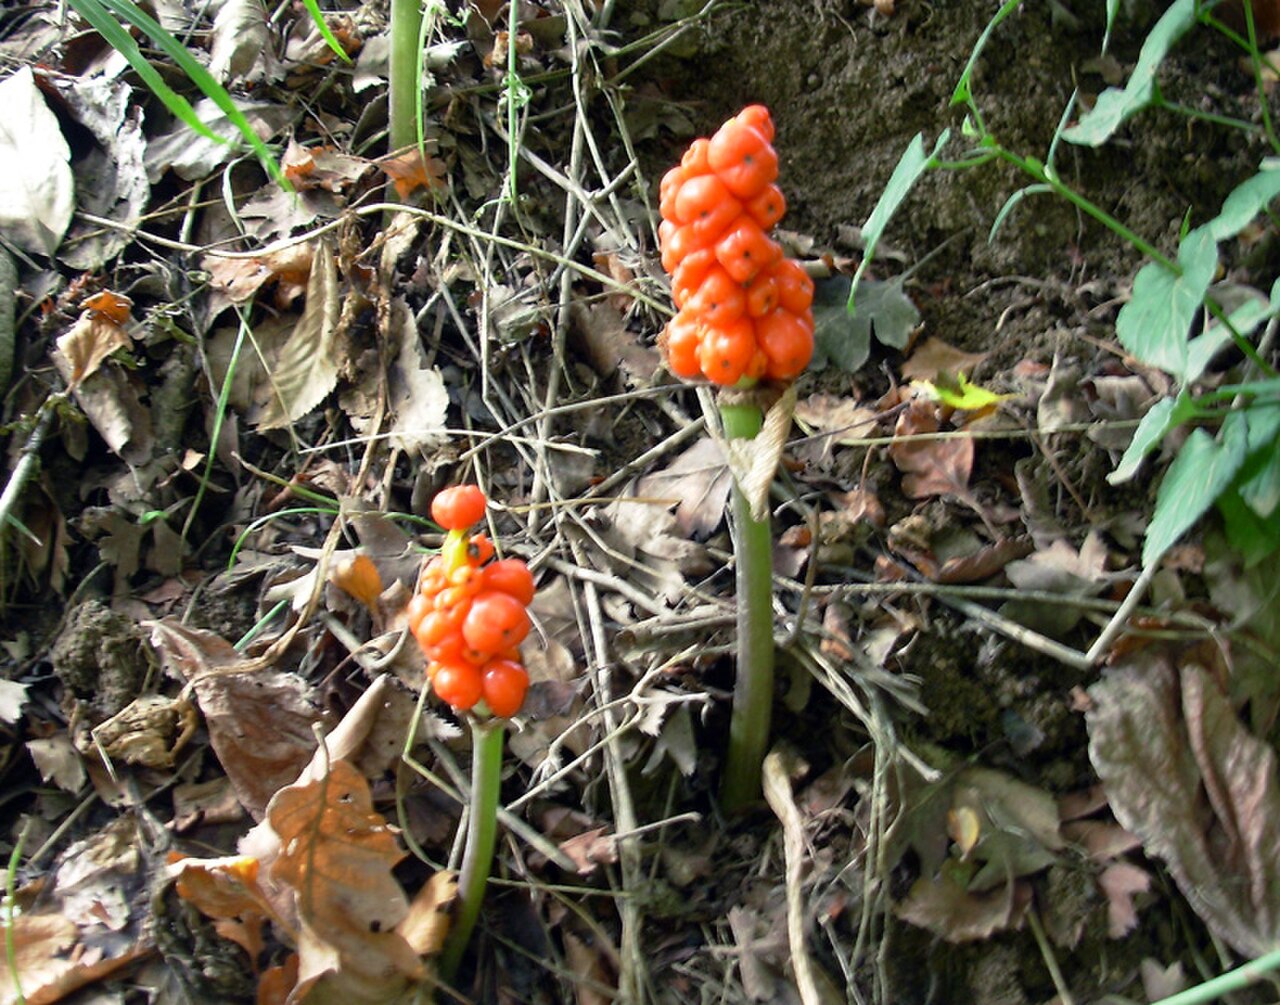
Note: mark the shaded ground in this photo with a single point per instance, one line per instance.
(943, 822)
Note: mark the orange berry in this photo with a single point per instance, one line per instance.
(743, 159)
(480, 549)
(758, 117)
(433, 629)
(419, 607)
(694, 160)
(762, 295)
(787, 339)
(690, 273)
(496, 621)
(726, 351)
(458, 507)
(458, 684)
(667, 189)
(679, 344)
(768, 207)
(683, 242)
(758, 366)
(504, 684)
(745, 250)
(795, 288)
(719, 298)
(512, 577)
(706, 204)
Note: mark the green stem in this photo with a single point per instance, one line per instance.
(1235, 980)
(404, 85)
(482, 836)
(753, 687)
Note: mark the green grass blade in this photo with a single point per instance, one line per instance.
(98, 13)
(331, 40)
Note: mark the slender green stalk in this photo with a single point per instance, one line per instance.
(482, 836)
(403, 75)
(10, 894)
(753, 687)
(1235, 980)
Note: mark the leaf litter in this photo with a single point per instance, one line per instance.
(362, 371)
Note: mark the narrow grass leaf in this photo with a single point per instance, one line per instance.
(962, 93)
(913, 163)
(1199, 474)
(1154, 324)
(326, 33)
(1009, 205)
(1115, 104)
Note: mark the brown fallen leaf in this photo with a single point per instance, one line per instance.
(411, 171)
(930, 467)
(1183, 773)
(84, 348)
(945, 906)
(935, 356)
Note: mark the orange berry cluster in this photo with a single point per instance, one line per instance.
(469, 613)
(744, 308)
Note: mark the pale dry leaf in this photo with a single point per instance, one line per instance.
(416, 393)
(306, 370)
(191, 155)
(261, 725)
(934, 356)
(591, 849)
(111, 399)
(240, 35)
(1185, 775)
(587, 961)
(427, 923)
(13, 696)
(1062, 403)
(1120, 882)
(844, 420)
(220, 888)
(88, 343)
(310, 168)
(699, 481)
(930, 467)
(37, 191)
(58, 761)
(337, 854)
(610, 345)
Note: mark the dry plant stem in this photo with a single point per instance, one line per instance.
(26, 466)
(482, 836)
(753, 686)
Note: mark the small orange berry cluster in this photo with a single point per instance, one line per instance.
(744, 308)
(469, 613)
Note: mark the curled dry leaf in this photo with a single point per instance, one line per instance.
(83, 348)
(934, 357)
(1185, 775)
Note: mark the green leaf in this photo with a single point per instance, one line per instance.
(1154, 324)
(1201, 472)
(913, 163)
(1113, 7)
(961, 394)
(962, 94)
(1246, 201)
(1254, 537)
(1115, 105)
(1153, 428)
(1259, 481)
(1202, 348)
(884, 311)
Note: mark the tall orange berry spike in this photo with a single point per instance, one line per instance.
(468, 615)
(744, 316)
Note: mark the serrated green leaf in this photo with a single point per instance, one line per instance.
(1201, 472)
(1114, 105)
(1154, 324)
(913, 163)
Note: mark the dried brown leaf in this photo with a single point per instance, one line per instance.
(260, 725)
(700, 480)
(427, 923)
(1184, 774)
(1120, 882)
(591, 849)
(930, 467)
(947, 908)
(307, 368)
(410, 171)
(337, 854)
(934, 357)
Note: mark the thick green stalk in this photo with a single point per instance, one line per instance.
(404, 85)
(753, 687)
(482, 836)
